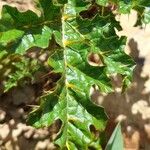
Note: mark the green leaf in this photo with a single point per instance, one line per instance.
(14, 68)
(58, 2)
(10, 36)
(102, 36)
(39, 39)
(146, 16)
(102, 2)
(125, 6)
(116, 141)
(120, 63)
(70, 102)
(70, 38)
(22, 69)
(76, 120)
(142, 3)
(26, 28)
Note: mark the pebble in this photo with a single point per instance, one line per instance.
(16, 132)
(4, 131)
(40, 134)
(20, 111)
(43, 57)
(2, 115)
(121, 118)
(28, 134)
(147, 130)
(12, 122)
(42, 145)
(22, 126)
(51, 146)
(11, 146)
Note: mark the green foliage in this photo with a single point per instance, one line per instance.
(71, 31)
(14, 68)
(24, 68)
(146, 16)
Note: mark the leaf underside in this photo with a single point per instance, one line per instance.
(77, 34)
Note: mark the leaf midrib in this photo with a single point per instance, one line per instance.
(65, 68)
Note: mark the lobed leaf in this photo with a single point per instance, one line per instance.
(77, 28)
(28, 30)
(70, 102)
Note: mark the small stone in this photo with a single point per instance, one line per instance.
(41, 134)
(12, 122)
(132, 141)
(11, 146)
(21, 126)
(2, 115)
(35, 136)
(16, 132)
(21, 111)
(4, 131)
(129, 129)
(51, 146)
(43, 57)
(42, 145)
(147, 130)
(28, 134)
(121, 118)
(26, 128)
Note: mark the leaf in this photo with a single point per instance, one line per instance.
(23, 69)
(14, 68)
(73, 37)
(142, 3)
(71, 99)
(9, 37)
(116, 141)
(125, 6)
(26, 28)
(70, 102)
(101, 33)
(34, 40)
(146, 16)
(102, 2)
